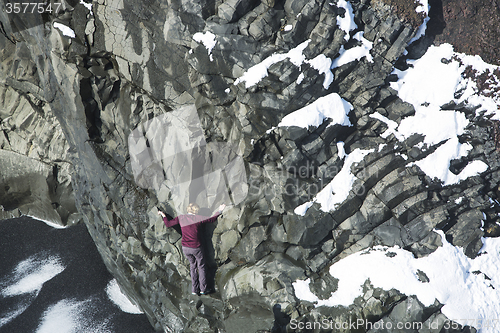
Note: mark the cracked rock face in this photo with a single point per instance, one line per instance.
(69, 106)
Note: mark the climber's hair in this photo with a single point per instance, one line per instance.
(193, 208)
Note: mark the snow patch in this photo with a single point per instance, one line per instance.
(435, 124)
(25, 282)
(31, 274)
(59, 318)
(452, 280)
(338, 189)
(346, 23)
(340, 149)
(121, 300)
(47, 222)
(323, 64)
(424, 8)
(441, 80)
(256, 73)
(207, 39)
(330, 106)
(428, 84)
(391, 124)
(300, 78)
(444, 80)
(302, 209)
(437, 164)
(88, 6)
(71, 316)
(354, 53)
(301, 288)
(66, 31)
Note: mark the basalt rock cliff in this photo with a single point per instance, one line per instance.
(68, 106)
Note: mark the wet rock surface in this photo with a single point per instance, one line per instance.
(69, 105)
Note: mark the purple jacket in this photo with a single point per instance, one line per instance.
(190, 224)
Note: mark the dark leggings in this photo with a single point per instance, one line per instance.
(197, 267)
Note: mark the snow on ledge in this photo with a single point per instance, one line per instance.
(335, 192)
(331, 106)
(66, 31)
(468, 288)
(346, 23)
(323, 65)
(208, 40)
(120, 299)
(429, 84)
(259, 71)
(437, 164)
(391, 124)
(354, 53)
(256, 73)
(88, 6)
(47, 222)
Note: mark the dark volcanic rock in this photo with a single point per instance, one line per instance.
(79, 115)
(471, 27)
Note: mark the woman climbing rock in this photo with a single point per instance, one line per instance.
(191, 245)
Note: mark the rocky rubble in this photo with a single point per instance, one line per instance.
(68, 106)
